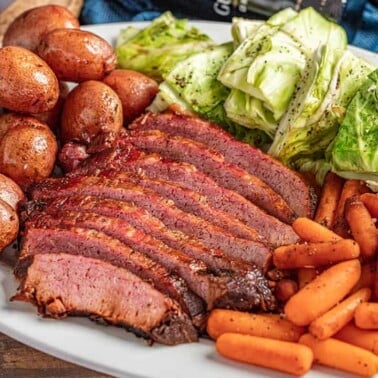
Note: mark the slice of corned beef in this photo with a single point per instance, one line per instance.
(289, 184)
(61, 285)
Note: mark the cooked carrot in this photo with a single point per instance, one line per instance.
(280, 355)
(329, 199)
(264, 325)
(367, 339)
(366, 315)
(285, 289)
(375, 287)
(305, 276)
(368, 276)
(350, 188)
(362, 226)
(311, 231)
(340, 355)
(309, 255)
(370, 200)
(337, 317)
(324, 292)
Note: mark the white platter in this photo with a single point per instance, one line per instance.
(112, 350)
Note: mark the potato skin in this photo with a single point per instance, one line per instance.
(9, 224)
(29, 27)
(27, 83)
(28, 151)
(135, 90)
(77, 55)
(10, 192)
(91, 108)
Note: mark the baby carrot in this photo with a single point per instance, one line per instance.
(350, 188)
(337, 317)
(264, 325)
(362, 226)
(340, 355)
(309, 255)
(366, 315)
(370, 200)
(324, 292)
(367, 339)
(285, 289)
(311, 231)
(329, 198)
(280, 355)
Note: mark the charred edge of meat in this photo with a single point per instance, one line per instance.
(172, 328)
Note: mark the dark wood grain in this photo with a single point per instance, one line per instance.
(18, 360)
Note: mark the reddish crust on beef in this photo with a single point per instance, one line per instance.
(96, 244)
(211, 236)
(242, 290)
(214, 165)
(154, 166)
(61, 284)
(145, 221)
(289, 184)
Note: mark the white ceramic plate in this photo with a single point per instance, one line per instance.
(112, 350)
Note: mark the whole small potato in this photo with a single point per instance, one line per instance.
(91, 108)
(28, 28)
(27, 152)
(52, 117)
(9, 224)
(135, 90)
(10, 192)
(77, 55)
(27, 83)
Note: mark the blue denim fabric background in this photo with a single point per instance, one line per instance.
(360, 18)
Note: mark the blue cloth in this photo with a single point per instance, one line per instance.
(360, 17)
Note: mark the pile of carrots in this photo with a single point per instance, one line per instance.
(330, 300)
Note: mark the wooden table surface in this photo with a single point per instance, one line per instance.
(19, 361)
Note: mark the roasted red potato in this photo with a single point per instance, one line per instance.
(27, 83)
(135, 90)
(77, 55)
(28, 151)
(91, 108)
(29, 27)
(10, 192)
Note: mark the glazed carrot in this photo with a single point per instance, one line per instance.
(375, 287)
(311, 231)
(305, 276)
(340, 355)
(329, 199)
(264, 325)
(306, 255)
(362, 226)
(324, 292)
(285, 289)
(370, 200)
(368, 276)
(363, 338)
(350, 188)
(366, 315)
(337, 317)
(280, 355)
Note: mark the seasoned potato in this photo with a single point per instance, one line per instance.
(52, 117)
(28, 151)
(27, 83)
(10, 192)
(28, 28)
(135, 90)
(77, 55)
(9, 224)
(90, 109)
